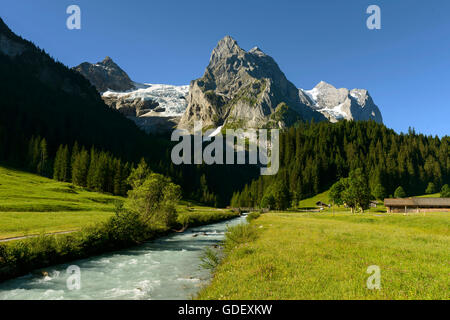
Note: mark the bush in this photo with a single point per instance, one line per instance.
(252, 216)
(445, 191)
(154, 198)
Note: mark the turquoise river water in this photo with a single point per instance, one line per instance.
(166, 268)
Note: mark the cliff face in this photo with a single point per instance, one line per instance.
(244, 89)
(106, 75)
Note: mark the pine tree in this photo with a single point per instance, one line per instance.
(379, 192)
(91, 175)
(431, 188)
(399, 192)
(80, 168)
(57, 164)
(445, 191)
(117, 177)
(43, 165)
(65, 165)
(34, 153)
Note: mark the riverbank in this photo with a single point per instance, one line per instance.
(122, 231)
(166, 268)
(326, 256)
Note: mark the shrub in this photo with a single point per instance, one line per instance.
(445, 191)
(253, 215)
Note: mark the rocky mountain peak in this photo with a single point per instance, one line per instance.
(226, 48)
(109, 62)
(324, 85)
(106, 75)
(227, 42)
(227, 45)
(256, 50)
(244, 89)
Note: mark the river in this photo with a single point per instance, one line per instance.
(165, 268)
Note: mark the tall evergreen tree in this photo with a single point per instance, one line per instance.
(43, 164)
(400, 192)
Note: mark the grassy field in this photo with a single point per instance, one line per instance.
(326, 256)
(31, 204)
(311, 202)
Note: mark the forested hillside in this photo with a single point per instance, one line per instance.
(41, 97)
(314, 156)
(45, 106)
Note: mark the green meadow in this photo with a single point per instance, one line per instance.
(296, 255)
(31, 205)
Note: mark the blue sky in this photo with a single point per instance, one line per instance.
(405, 65)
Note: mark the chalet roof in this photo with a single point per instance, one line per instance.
(418, 202)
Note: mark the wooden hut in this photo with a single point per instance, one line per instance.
(417, 205)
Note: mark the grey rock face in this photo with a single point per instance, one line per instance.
(129, 105)
(243, 89)
(338, 104)
(106, 75)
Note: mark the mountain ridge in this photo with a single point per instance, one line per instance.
(243, 88)
(155, 108)
(42, 97)
(339, 104)
(106, 75)
(238, 89)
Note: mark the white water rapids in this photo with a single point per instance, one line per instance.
(166, 268)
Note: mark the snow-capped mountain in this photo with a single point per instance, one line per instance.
(153, 107)
(227, 93)
(340, 104)
(245, 89)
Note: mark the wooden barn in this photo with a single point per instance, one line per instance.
(417, 205)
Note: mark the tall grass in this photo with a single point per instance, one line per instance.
(324, 256)
(239, 235)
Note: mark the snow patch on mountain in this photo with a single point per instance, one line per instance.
(171, 99)
(312, 94)
(339, 104)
